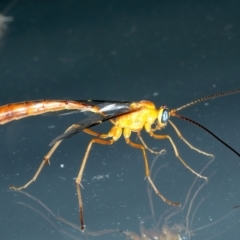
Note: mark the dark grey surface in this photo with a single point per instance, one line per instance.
(167, 52)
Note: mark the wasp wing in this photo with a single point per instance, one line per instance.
(105, 106)
(110, 111)
(108, 107)
(97, 101)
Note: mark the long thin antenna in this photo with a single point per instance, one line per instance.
(204, 128)
(206, 98)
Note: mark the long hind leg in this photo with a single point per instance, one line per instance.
(115, 134)
(44, 161)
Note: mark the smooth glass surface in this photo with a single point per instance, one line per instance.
(168, 52)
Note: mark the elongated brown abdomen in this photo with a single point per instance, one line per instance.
(20, 110)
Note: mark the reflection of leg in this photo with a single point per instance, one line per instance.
(149, 189)
(191, 146)
(45, 161)
(131, 235)
(188, 224)
(147, 172)
(163, 151)
(189, 201)
(176, 152)
(79, 177)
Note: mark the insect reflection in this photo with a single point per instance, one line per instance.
(58, 223)
(163, 229)
(126, 117)
(167, 227)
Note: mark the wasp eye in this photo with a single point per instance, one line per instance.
(165, 116)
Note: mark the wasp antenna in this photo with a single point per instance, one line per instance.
(207, 98)
(207, 130)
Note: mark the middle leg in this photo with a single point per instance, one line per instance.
(147, 172)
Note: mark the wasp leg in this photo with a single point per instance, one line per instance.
(163, 151)
(95, 134)
(45, 161)
(176, 152)
(139, 146)
(189, 144)
(80, 174)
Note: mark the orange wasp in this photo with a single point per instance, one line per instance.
(126, 117)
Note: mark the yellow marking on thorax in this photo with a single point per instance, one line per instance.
(135, 121)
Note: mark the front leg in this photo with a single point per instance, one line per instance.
(157, 136)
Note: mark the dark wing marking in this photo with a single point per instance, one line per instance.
(107, 107)
(89, 122)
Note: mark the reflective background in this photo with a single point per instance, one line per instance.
(167, 52)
